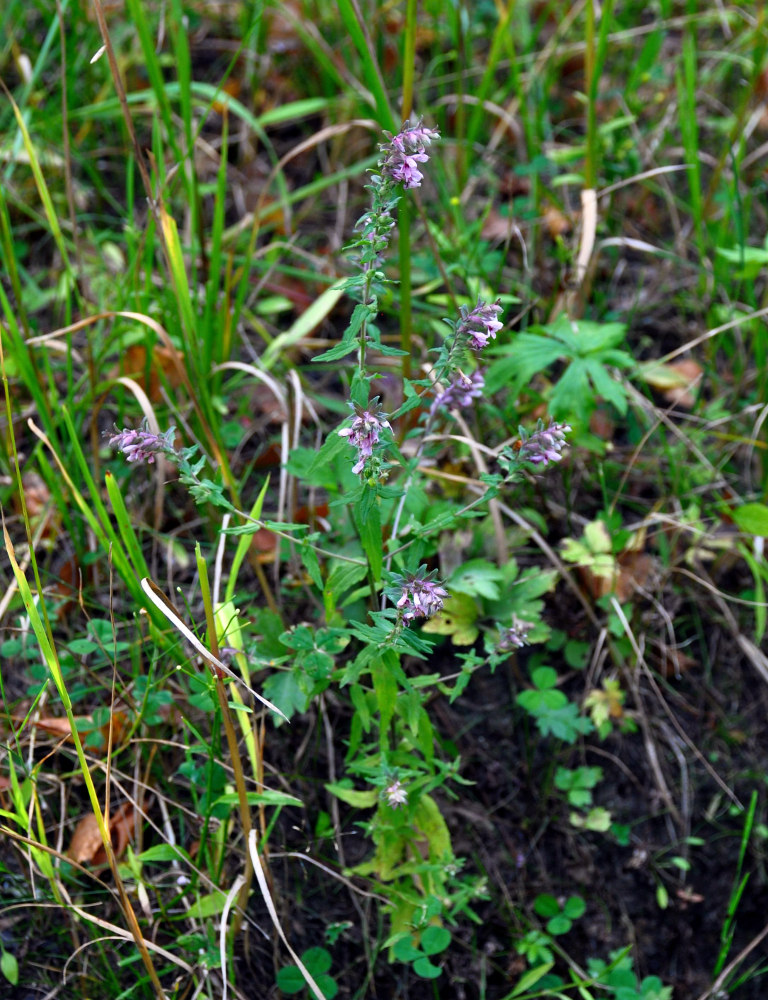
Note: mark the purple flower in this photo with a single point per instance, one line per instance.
(460, 393)
(420, 597)
(480, 324)
(142, 445)
(395, 794)
(545, 444)
(403, 153)
(364, 432)
(514, 637)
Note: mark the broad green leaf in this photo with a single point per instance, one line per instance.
(435, 939)
(545, 905)
(457, 619)
(424, 968)
(207, 906)
(528, 355)
(311, 564)
(283, 689)
(477, 577)
(290, 980)
(597, 819)
(353, 797)
(575, 907)
(544, 677)
(748, 261)
(405, 951)
(429, 820)
(317, 960)
(9, 966)
(369, 530)
(752, 518)
(612, 391)
(559, 924)
(385, 686)
(343, 576)
(594, 338)
(572, 396)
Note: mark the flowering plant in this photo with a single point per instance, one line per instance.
(372, 467)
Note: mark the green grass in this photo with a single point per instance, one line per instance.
(173, 218)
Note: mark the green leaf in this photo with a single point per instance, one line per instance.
(342, 577)
(428, 818)
(651, 988)
(457, 619)
(531, 977)
(607, 387)
(477, 577)
(268, 797)
(528, 355)
(575, 907)
(353, 797)
(404, 950)
(290, 979)
(597, 819)
(328, 986)
(752, 518)
(544, 677)
(368, 520)
(385, 686)
(572, 397)
(82, 647)
(545, 905)
(424, 968)
(9, 967)
(283, 688)
(748, 261)
(317, 960)
(162, 852)
(559, 924)
(435, 939)
(596, 338)
(208, 906)
(311, 564)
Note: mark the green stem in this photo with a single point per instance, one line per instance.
(406, 301)
(404, 215)
(590, 85)
(234, 750)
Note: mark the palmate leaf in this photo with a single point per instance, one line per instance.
(594, 338)
(587, 346)
(606, 386)
(284, 689)
(457, 619)
(528, 355)
(478, 577)
(572, 397)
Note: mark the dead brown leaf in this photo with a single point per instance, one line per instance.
(556, 222)
(86, 840)
(675, 662)
(87, 847)
(496, 226)
(147, 372)
(691, 373)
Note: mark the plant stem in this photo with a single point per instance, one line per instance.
(234, 750)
